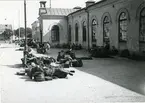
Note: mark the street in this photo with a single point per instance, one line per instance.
(110, 80)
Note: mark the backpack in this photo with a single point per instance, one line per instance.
(77, 63)
(39, 76)
(60, 74)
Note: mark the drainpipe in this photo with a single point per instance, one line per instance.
(72, 29)
(67, 30)
(41, 33)
(88, 28)
(40, 27)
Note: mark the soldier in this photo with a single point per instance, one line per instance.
(37, 72)
(47, 46)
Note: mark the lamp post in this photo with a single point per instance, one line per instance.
(25, 22)
(19, 25)
(42, 11)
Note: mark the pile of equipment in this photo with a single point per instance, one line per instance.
(69, 58)
(44, 68)
(43, 47)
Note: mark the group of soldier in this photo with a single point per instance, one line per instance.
(48, 68)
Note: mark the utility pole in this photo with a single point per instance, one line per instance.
(14, 31)
(50, 3)
(25, 48)
(19, 23)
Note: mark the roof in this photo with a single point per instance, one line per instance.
(59, 11)
(100, 1)
(35, 22)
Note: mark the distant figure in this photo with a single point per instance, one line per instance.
(71, 53)
(47, 46)
(73, 46)
(61, 56)
(107, 46)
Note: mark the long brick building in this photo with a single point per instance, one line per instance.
(121, 23)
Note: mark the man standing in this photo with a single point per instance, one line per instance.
(47, 46)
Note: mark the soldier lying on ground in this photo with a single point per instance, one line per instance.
(30, 58)
(37, 71)
(58, 71)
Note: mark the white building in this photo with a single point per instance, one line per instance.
(36, 30)
(121, 23)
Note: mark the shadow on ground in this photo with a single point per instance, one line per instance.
(26, 78)
(18, 66)
(126, 73)
(19, 49)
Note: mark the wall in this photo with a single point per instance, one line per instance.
(47, 26)
(78, 18)
(111, 8)
(36, 31)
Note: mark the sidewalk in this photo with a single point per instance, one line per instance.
(80, 88)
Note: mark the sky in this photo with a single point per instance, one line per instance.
(12, 11)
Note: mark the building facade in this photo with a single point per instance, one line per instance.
(53, 24)
(121, 23)
(36, 30)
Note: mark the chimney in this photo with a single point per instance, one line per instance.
(42, 4)
(77, 8)
(90, 2)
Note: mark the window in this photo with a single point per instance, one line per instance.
(94, 24)
(76, 32)
(123, 27)
(69, 31)
(55, 33)
(106, 32)
(142, 26)
(84, 31)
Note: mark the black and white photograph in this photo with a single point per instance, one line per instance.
(72, 51)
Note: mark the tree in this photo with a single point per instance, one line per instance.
(22, 32)
(29, 32)
(7, 34)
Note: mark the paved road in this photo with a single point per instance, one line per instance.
(82, 87)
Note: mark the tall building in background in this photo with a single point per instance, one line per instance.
(3, 27)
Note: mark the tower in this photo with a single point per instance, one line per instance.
(42, 4)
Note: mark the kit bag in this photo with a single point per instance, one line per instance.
(66, 65)
(39, 76)
(77, 63)
(60, 74)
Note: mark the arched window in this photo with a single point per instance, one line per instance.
(123, 27)
(94, 24)
(55, 33)
(106, 31)
(84, 31)
(76, 32)
(69, 35)
(142, 26)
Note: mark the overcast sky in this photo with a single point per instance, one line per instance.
(12, 11)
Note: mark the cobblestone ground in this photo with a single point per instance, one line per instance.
(98, 81)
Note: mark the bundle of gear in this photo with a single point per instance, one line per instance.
(47, 68)
(44, 68)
